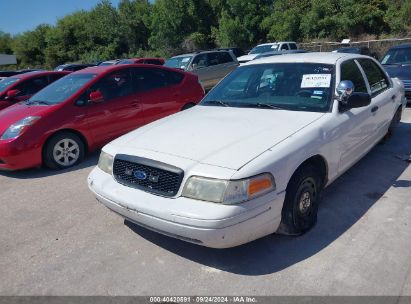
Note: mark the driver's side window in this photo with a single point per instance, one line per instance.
(200, 61)
(117, 84)
(350, 71)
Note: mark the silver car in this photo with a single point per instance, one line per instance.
(210, 66)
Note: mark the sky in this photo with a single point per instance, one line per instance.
(17, 16)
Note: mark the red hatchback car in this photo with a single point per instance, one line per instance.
(86, 109)
(22, 86)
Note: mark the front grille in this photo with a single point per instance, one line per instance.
(147, 175)
(407, 85)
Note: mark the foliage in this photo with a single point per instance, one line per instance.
(164, 27)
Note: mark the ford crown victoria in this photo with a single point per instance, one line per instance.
(253, 157)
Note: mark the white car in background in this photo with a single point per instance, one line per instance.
(252, 158)
(267, 47)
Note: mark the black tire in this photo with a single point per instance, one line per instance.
(187, 106)
(394, 122)
(56, 151)
(299, 213)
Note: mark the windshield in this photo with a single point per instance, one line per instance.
(397, 56)
(264, 49)
(286, 86)
(62, 89)
(6, 82)
(180, 62)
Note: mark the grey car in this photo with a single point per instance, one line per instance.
(209, 66)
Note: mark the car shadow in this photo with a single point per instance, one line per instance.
(90, 161)
(343, 203)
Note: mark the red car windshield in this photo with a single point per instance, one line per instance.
(62, 89)
(7, 82)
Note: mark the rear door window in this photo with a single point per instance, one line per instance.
(224, 57)
(284, 47)
(376, 77)
(32, 86)
(151, 79)
(293, 46)
(213, 58)
(350, 71)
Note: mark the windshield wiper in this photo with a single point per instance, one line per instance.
(30, 102)
(262, 105)
(219, 102)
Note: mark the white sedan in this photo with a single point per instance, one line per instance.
(252, 158)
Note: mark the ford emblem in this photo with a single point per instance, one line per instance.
(141, 175)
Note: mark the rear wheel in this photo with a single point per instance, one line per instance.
(299, 213)
(63, 150)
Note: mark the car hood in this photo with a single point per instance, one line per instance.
(16, 112)
(247, 57)
(401, 71)
(220, 136)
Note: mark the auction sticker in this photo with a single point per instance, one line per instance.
(316, 81)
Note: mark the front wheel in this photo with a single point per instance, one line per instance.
(63, 150)
(299, 213)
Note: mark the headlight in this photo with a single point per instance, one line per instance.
(105, 162)
(16, 129)
(228, 191)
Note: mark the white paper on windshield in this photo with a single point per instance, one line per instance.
(185, 59)
(316, 81)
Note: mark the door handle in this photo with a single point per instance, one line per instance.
(393, 97)
(374, 109)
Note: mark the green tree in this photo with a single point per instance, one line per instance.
(133, 17)
(283, 23)
(29, 46)
(173, 21)
(240, 23)
(5, 43)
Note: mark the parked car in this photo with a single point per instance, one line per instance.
(156, 61)
(397, 63)
(276, 53)
(86, 109)
(72, 67)
(209, 66)
(363, 50)
(108, 62)
(236, 51)
(262, 145)
(267, 47)
(5, 74)
(22, 86)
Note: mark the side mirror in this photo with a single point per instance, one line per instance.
(96, 97)
(12, 93)
(345, 88)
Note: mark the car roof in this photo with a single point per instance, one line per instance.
(98, 70)
(315, 57)
(39, 73)
(401, 46)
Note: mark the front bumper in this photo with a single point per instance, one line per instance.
(208, 224)
(17, 155)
